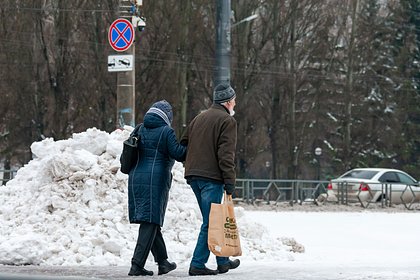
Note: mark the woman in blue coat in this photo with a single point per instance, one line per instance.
(148, 187)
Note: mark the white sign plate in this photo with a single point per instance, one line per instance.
(118, 63)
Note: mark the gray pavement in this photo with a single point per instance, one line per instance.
(248, 272)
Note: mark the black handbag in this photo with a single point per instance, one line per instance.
(129, 153)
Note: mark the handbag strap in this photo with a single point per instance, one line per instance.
(227, 199)
(154, 160)
(136, 130)
(157, 147)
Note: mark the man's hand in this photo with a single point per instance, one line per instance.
(229, 189)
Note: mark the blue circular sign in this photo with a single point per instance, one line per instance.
(121, 35)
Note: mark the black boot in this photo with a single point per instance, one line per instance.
(195, 271)
(165, 266)
(135, 270)
(223, 268)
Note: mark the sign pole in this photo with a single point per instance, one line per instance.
(126, 95)
(121, 38)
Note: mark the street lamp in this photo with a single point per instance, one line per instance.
(267, 165)
(318, 153)
(252, 17)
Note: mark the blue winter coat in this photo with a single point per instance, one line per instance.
(150, 180)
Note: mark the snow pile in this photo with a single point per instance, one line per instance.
(68, 206)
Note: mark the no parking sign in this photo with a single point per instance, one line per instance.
(121, 35)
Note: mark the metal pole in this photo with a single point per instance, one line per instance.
(319, 168)
(126, 80)
(223, 44)
(126, 95)
(318, 153)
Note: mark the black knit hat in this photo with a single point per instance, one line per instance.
(223, 93)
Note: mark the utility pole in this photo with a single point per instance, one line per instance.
(223, 44)
(223, 41)
(126, 82)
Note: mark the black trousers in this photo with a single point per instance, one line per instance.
(150, 239)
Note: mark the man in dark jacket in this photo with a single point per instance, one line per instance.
(210, 169)
(148, 187)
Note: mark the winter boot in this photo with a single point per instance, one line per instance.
(165, 266)
(139, 271)
(223, 268)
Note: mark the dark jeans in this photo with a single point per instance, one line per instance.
(206, 193)
(150, 239)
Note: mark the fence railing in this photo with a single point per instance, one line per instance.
(309, 191)
(6, 175)
(292, 191)
(302, 191)
(386, 194)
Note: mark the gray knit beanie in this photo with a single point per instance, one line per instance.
(223, 93)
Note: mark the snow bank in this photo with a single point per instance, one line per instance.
(68, 206)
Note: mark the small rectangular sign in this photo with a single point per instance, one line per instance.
(118, 63)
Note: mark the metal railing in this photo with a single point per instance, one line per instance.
(302, 191)
(387, 194)
(292, 191)
(6, 175)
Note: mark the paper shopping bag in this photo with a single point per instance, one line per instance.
(223, 235)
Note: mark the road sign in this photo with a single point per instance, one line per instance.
(121, 35)
(119, 63)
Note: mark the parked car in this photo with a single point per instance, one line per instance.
(373, 185)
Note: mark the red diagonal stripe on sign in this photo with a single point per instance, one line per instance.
(121, 34)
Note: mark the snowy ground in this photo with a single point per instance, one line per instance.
(338, 245)
(350, 245)
(64, 215)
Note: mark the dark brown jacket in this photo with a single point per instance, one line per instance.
(211, 138)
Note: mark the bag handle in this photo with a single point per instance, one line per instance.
(227, 198)
(134, 135)
(136, 129)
